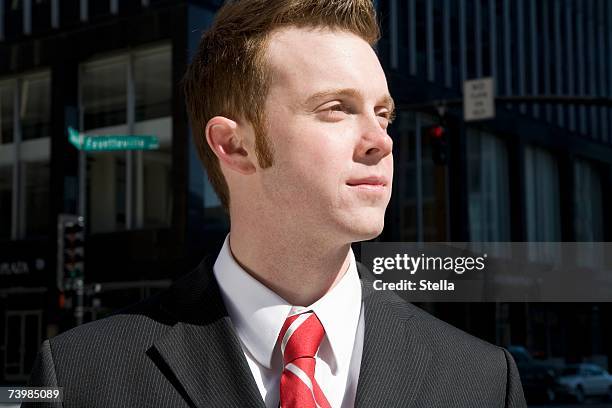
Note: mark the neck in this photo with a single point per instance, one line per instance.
(300, 269)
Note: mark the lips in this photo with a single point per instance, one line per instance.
(368, 181)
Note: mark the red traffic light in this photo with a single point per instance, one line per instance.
(436, 131)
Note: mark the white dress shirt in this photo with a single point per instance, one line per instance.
(258, 314)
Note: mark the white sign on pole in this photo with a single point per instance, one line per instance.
(478, 99)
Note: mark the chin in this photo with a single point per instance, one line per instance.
(366, 228)
(358, 223)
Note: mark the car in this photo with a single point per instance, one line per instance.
(539, 379)
(580, 381)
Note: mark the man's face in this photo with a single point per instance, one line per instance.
(327, 113)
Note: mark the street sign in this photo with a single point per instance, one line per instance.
(99, 143)
(478, 99)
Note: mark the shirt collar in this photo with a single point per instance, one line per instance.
(258, 313)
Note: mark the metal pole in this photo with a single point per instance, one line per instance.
(79, 282)
(129, 155)
(82, 183)
(82, 208)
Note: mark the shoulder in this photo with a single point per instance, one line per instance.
(447, 341)
(129, 330)
(193, 297)
(451, 349)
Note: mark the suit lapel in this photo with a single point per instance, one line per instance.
(201, 354)
(395, 357)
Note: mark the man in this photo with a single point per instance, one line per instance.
(290, 109)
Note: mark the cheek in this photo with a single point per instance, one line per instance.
(314, 150)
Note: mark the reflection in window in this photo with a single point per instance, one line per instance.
(6, 111)
(487, 188)
(104, 93)
(35, 109)
(588, 222)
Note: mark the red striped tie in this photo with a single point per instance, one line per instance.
(300, 338)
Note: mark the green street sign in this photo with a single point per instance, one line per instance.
(99, 143)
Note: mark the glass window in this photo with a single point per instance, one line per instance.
(36, 176)
(106, 190)
(420, 186)
(434, 186)
(41, 15)
(542, 203)
(104, 93)
(153, 83)
(6, 111)
(405, 185)
(129, 6)
(33, 160)
(487, 188)
(98, 8)
(13, 18)
(69, 12)
(588, 217)
(6, 200)
(153, 100)
(157, 187)
(23, 336)
(35, 109)
(35, 122)
(13, 330)
(104, 112)
(542, 184)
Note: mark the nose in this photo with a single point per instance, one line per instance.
(374, 142)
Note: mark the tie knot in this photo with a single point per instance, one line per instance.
(300, 336)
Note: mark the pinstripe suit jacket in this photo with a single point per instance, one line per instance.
(179, 349)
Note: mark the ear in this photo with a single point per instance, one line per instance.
(226, 141)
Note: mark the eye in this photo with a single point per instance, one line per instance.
(388, 115)
(335, 112)
(338, 108)
(386, 118)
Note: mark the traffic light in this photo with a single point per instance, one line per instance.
(72, 248)
(439, 144)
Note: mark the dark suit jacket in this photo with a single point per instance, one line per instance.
(179, 349)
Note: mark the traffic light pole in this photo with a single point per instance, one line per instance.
(79, 281)
(85, 143)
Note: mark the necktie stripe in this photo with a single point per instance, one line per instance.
(297, 371)
(292, 328)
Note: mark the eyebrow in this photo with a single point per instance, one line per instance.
(351, 93)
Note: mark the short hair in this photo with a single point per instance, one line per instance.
(228, 75)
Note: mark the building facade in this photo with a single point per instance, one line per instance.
(540, 171)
